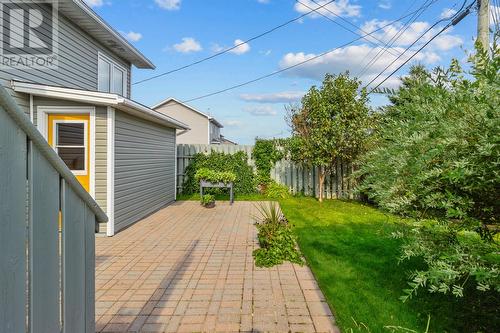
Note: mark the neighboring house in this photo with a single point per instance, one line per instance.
(204, 129)
(226, 141)
(122, 152)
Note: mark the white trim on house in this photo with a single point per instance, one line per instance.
(112, 65)
(171, 99)
(175, 167)
(98, 98)
(32, 110)
(85, 171)
(42, 125)
(110, 181)
(209, 139)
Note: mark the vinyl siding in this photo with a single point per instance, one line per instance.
(100, 143)
(198, 124)
(77, 67)
(144, 168)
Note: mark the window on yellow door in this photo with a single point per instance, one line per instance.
(71, 144)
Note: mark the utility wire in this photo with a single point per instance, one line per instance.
(295, 65)
(456, 19)
(343, 26)
(235, 46)
(414, 42)
(392, 41)
(394, 38)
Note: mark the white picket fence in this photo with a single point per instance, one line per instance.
(300, 180)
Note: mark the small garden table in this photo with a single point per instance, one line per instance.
(205, 184)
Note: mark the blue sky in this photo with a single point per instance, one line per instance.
(173, 33)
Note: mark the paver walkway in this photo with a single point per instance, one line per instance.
(190, 269)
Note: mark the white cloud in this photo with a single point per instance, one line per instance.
(260, 110)
(385, 4)
(217, 48)
(352, 58)
(406, 36)
(340, 7)
(133, 36)
(243, 48)
(279, 97)
(447, 13)
(266, 52)
(447, 42)
(169, 4)
(263, 1)
(94, 3)
(232, 123)
(188, 45)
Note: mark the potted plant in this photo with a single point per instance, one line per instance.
(208, 201)
(215, 179)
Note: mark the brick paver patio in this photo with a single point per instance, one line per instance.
(190, 269)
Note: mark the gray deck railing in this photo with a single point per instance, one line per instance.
(47, 224)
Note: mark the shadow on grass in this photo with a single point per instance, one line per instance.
(357, 268)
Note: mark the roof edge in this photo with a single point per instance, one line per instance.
(173, 99)
(98, 98)
(144, 62)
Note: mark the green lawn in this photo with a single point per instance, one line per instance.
(350, 251)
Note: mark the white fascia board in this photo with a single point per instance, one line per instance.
(98, 98)
(64, 93)
(129, 104)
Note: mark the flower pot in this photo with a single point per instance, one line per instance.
(210, 205)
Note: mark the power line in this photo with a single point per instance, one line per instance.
(340, 25)
(393, 39)
(235, 46)
(456, 19)
(295, 65)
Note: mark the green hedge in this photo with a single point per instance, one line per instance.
(236, 163)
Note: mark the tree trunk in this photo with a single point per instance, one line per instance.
(321, 177)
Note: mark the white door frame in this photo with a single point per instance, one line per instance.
(43, 112)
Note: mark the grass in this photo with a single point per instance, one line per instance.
(350, 251)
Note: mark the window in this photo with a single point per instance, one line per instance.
(111, 77)
(70, 144)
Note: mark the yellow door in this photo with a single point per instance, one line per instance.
(69, 135)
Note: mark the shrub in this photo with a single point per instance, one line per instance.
(436, 156)
(265, 155)
(276, 191)
(215, 176)
(276, 239)
(207, 199)
(236, 163)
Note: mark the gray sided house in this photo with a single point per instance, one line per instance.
(122, 152)
(204, 129)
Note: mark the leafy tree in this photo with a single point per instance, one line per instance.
(436, 157)
(331, 123)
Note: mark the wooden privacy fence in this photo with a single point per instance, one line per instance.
(298, 179)
(47, 252)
